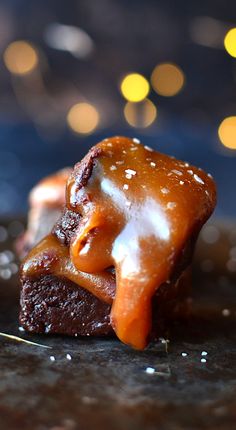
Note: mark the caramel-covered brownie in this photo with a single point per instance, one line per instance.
(120, 255)
(46, 201)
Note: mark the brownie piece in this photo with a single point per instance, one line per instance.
(118, 259)
(54, 305)
(46, 201)
(51, 304)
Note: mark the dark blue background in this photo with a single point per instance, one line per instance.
(128, 36)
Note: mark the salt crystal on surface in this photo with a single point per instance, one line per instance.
(125, 187)
(164, 190)
(148, 148)
(135, 140)
(184, 354)
(204, 353)
(68, 356)
(203, 360)
(52, 358)
(177, 172)
(171, 205)
(190, 172)
(113, 168)
(131, 171)
(150, 370)
(181, 182)
(153, 164)
(197, 179)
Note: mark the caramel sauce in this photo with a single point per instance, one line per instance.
(139, 209)
(51, 257)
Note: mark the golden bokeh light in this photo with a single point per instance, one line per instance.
(167, 79)
(83, 118)
(20, 57)
(230, 42)
(227, 132)
(135, 87)
(141, 114)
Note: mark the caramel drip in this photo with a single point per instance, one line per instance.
(51, 257)
(139, 209)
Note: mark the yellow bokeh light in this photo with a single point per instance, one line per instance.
(230, 42)
(227, 132)
(167, 79)
(135, 87)
(140, 114)
(83, 118)
(20, 57)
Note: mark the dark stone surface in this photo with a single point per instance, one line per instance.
(105, 384)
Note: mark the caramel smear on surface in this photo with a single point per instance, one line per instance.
(140, 210)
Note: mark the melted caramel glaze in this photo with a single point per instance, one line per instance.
(51, 257)
(140, 209)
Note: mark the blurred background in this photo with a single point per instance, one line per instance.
(74, 72)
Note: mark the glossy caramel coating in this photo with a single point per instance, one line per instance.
(141, 212)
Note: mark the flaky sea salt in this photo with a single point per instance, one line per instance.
(130, 172)
(177, 172)
(150, 370)
(197, 179)
(164, 190)
(148, 148)
(171, 205)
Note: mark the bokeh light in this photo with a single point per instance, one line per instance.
(140, 114)
(135, 87)
(83, 118)
(167, 79)
(230, 42)
(227, 132)
(20, 57)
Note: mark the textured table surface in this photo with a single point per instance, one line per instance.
(186, 383)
